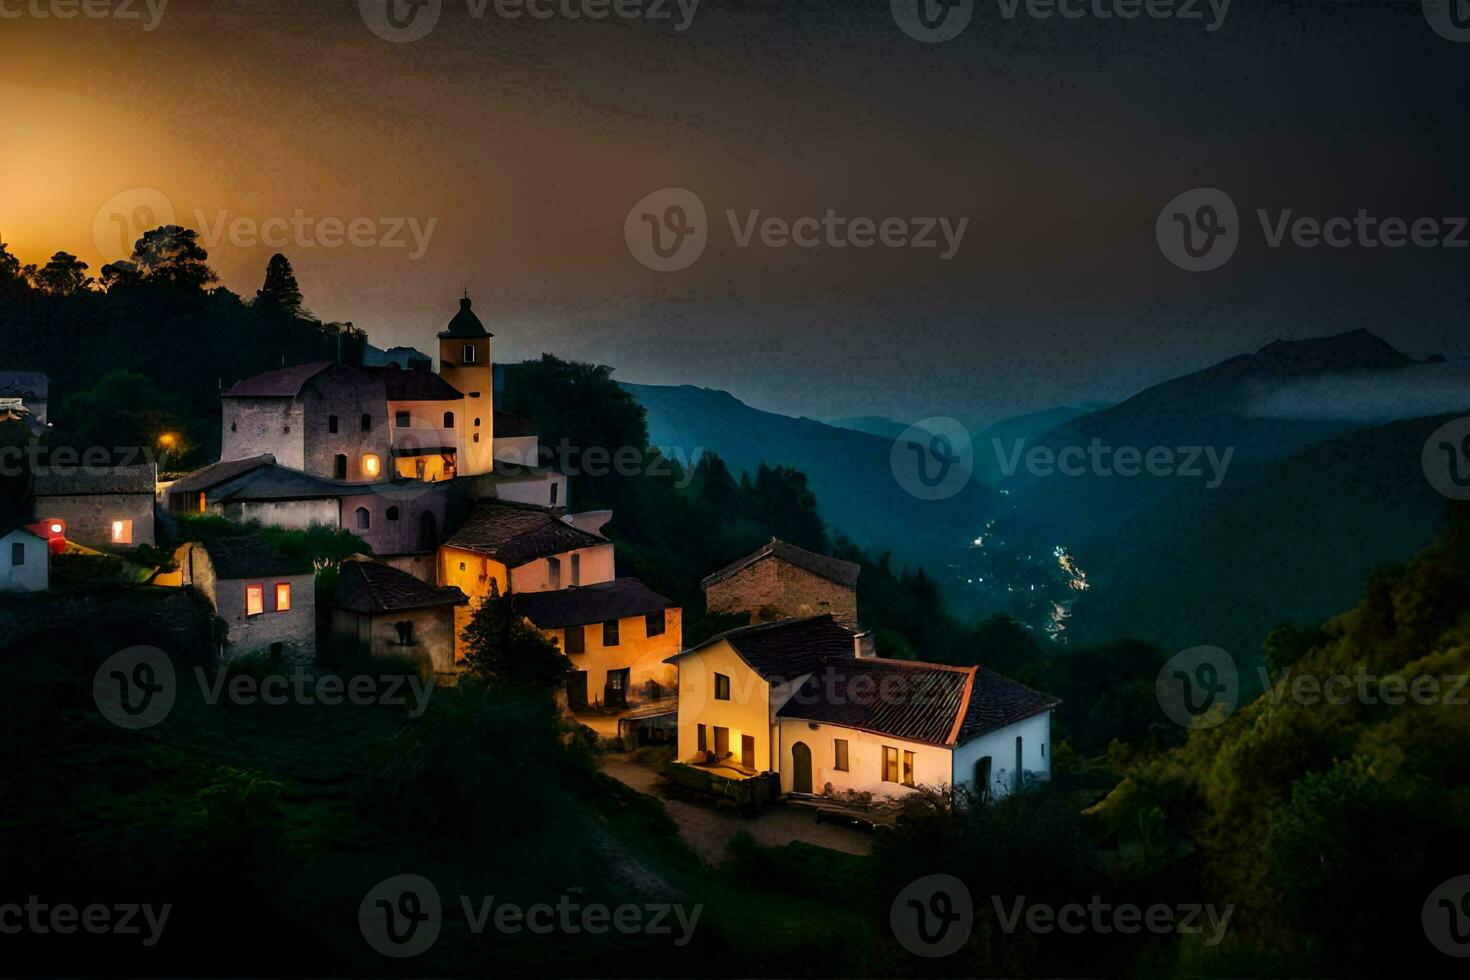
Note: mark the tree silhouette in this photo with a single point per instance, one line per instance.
(172, 256)
(280, 291)
(64, 275)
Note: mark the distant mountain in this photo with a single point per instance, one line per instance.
(873, 425)
(849, 471)
(1017, 427)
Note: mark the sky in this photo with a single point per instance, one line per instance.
(517, 158)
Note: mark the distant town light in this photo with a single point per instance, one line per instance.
(168, 440)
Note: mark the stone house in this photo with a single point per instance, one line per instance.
(265, 600)
(781, 581)
(100, 506)
(521, 549)
(381, 611)
(25, 559)
(794, 697)
(619, 636)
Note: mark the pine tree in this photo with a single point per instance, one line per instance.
(280, 290)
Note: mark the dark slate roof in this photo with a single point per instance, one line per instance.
(23, 385)
(372, 587)
(465, 324)
(785, 649)
(510, 425)
(590, 603)
(919, 702)
(282, 383)
(414, 385)
(55, 481)
(999, 701)
(216, 473)
(251, 556)
(276, 482)
(844, 573)
(514, 534)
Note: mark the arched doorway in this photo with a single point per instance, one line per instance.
(801, 768)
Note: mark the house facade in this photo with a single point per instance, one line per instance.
(380, 611)
(522, 548)
(25, 559)
(618, 634)
(800, 698)
(265, 600)
(781, 581)
(105, 507)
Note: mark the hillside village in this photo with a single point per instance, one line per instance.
(456, 507)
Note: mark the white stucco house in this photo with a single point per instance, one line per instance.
(266, 600)
(25, 560)
(799, 698)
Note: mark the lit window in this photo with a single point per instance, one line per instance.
(839, 754)
(283, 596)
(203, 502)
(122, 532)
(370, 464)
(722, 687)
(254, 600)
(56, 527)
(908, 769)
(890, 765)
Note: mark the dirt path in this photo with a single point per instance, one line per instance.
(708, 830)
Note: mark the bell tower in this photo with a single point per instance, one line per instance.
(464, 362)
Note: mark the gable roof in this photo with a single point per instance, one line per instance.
(55, 481)
(249, 556)
(919, 702)
(514, 534)
(285, 382)
(372, 587)
(414, 384)
(273, 481)
(589, 603)
(225, 470)
(785, 649)
(844, 573)
(998, 701)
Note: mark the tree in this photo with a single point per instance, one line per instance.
(120, 273)
(64, 275)
(505, 649)
(172, 256)
(280, 290)
(9, 264)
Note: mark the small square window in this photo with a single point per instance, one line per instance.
(576, 640)
(283, 596)
(654, 623)
(400, 419)
(722, 687)
(254, 600)
(122, 532)
(610, 633)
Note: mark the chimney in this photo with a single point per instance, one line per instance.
(864, 645)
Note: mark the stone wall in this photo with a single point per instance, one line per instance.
(251, 426)
(773, 589)
(348, 396)
(89, 517)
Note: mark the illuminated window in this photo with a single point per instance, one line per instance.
(722, 687)
(370, 464)
(122, 532)
(283, 596)
(254, 600)
(908, 769)
(839, 754)
(469, 353)
(610, 633)
(890, 764)
(56, 527)
(202, 501)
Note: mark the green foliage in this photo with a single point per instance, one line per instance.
(504, 648)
